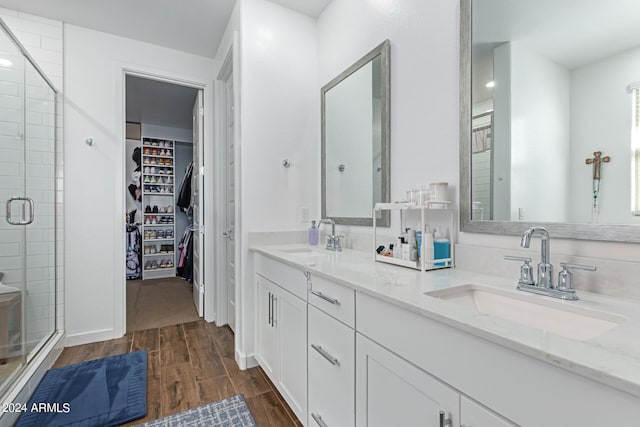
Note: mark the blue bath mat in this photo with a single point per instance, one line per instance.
(230, 412)
(103, 392)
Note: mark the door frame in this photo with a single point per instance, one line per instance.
(229, 69)
(124, 70)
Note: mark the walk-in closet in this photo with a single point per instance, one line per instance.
(159, 201)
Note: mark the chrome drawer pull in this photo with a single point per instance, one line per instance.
(326, 298)
(318, 419)
(444, 422)
(326, 355)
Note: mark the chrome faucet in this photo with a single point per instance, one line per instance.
(333, 241)
(544, 284)
(545, 269)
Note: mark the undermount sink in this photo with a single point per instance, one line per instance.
(564, 319)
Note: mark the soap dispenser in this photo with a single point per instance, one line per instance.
(313, 234)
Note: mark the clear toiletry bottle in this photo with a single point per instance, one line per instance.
(428, 245)
(313, 234)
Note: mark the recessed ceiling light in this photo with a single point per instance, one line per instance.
(490, 84)
(5, 63)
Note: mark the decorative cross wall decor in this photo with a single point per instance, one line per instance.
(596, 161)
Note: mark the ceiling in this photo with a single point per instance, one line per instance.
(159, 103)
(312, 8)
(196, 26)
(572, 33)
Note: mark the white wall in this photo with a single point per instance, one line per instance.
(279, 117)
(423, 37)
(540, 97)
(601, 121)
(94, 107)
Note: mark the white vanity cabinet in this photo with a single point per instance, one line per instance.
(281, 330)
(495, 383)
(392, 392)
(331, 354)
(342, 357)
(474, 415)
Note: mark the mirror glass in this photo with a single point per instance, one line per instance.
(355, 141)
(554, 118)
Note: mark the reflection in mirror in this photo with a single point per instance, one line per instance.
(545, 87)
(355, 141)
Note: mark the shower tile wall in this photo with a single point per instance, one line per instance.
(43, 39)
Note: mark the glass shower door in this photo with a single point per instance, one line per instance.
(40, 186)
(18, 210)
(27, 189)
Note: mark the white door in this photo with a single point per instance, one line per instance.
(267, 332)
(230, 204)
(198, 205)
(392, 392)
(291, 323)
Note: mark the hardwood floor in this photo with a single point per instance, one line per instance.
(190, 365)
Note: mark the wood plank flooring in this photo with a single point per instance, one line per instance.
(190, 365)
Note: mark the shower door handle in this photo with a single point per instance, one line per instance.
(26, 220)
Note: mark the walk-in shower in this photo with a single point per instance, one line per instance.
(28, 191)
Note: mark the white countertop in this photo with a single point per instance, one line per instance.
(612, 358)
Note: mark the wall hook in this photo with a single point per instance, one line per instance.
(342, 167)
(89, 142)
(286, 163)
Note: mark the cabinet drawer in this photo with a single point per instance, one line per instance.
(475, 415)
(333, 299)
(285, 276)
(331, 353)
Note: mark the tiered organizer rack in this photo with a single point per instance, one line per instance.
(161, 194)
(420, 264)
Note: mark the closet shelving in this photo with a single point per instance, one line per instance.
(158, 186)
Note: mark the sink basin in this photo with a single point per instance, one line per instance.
(564, 319)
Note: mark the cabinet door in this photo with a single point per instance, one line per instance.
(292, 329)
(267, 342)
(392, 392)
(331, 371)
(474, 415)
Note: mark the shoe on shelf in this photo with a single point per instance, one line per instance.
(155, 209)
(147, 209)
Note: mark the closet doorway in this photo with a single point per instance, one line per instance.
(164, 195)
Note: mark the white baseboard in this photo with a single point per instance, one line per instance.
(89, 337)
(245, 361)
